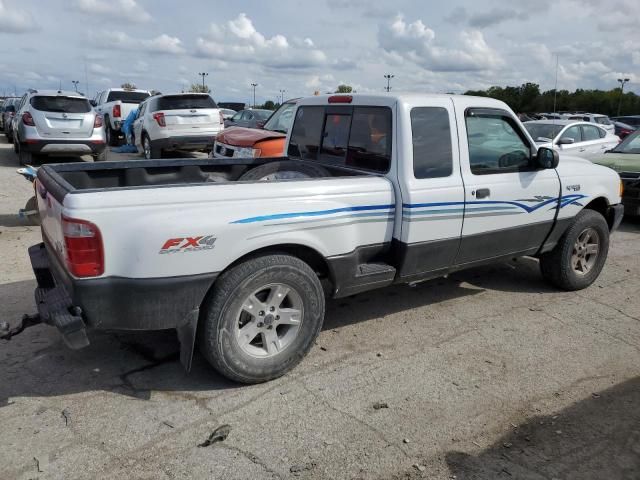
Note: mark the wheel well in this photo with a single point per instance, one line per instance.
(307, 254)
(601, 205)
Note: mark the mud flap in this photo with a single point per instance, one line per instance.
(187, 338)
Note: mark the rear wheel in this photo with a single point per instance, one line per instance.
(24, 157)
(284, 170)
(261, 318)
(111, 136)
(578, 258)
(148, 149)
(100, 157)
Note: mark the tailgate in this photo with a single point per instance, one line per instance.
(50, 211)
(192, 119)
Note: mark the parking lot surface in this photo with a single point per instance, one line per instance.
(486, 374)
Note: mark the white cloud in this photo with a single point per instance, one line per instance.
(13, 20)
(239, 41)
(127, 10)
(162, 44)
(416, 42)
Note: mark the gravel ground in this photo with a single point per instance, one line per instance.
(487, 374)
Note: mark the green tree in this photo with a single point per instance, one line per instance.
(344, 89)
(199, 88)
(269, 105)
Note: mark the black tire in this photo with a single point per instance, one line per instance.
(151, 152)
(31, 205)
(100, 157)
(556, 265)
(9, 135)
(24, 157)
(112, 136)
(219, 318)
(284, 169)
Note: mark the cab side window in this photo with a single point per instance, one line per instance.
(431, 133)
(496, 144)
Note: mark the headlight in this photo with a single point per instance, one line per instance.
(247, 152)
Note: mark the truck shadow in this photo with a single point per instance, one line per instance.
(595, 438)
(135, 364)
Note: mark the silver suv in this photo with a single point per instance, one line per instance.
(54, 122)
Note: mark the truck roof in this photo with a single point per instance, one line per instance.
(127, 90)
(399, 97)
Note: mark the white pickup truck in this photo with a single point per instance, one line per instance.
(375, 190)
(115, 104)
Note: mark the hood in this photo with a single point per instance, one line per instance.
(621, 162)
(246, 137)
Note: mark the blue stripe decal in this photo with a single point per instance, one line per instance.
(564, 201)
(457, 210)
(279, 216)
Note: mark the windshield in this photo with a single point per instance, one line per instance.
(281, 120)
(185, 102)
(542, 132)
(127, 96)
(631, 144)
(61, 104)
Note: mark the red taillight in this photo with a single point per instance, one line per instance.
(159, 117)
(97, 123)
(83, 244)
(221, 118)
(115, 111)
(27, 119)
(340, 99)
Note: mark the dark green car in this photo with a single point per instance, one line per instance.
(625, 159)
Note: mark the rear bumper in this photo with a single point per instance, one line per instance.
(64, 147)
(185, 142)
(115, 303)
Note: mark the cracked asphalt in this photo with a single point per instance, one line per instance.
(487, 374)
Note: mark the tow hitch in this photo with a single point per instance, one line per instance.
(6, 332)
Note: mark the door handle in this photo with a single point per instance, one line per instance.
(482, 193)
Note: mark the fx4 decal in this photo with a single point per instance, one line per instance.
(188, 244)
(574, 188)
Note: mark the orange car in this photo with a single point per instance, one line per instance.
(240, 142)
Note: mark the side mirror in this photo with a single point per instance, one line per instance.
(547, 158)
(260, 124)
(566, 141)
(93, 103)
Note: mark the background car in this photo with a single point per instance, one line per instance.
(181, 121)
(227, 113)
(602, 120)
(8, 111)
(582, 139)
(252, 142)
(115, 104)
(625, 159)
(623, 129)
(250, 118)
(633, 120)
(55, 122)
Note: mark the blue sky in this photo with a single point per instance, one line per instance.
(306, 46)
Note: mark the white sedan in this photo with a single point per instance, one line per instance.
(581, 139)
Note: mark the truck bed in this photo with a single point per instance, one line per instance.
(60, 179)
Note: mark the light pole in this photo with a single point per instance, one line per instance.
(203, 74)
(282, 96)
(622, 82)
(254, 85)
(75, 84)
(388, 76)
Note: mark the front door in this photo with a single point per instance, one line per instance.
(510, 204)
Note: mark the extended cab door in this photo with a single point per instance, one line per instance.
(431, 186)
(510, 204)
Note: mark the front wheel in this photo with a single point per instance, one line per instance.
(578, 258)
(261, 318)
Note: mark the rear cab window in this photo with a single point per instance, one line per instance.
(358, 137)
(185, 102)
(60, 104)
(127, 97)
